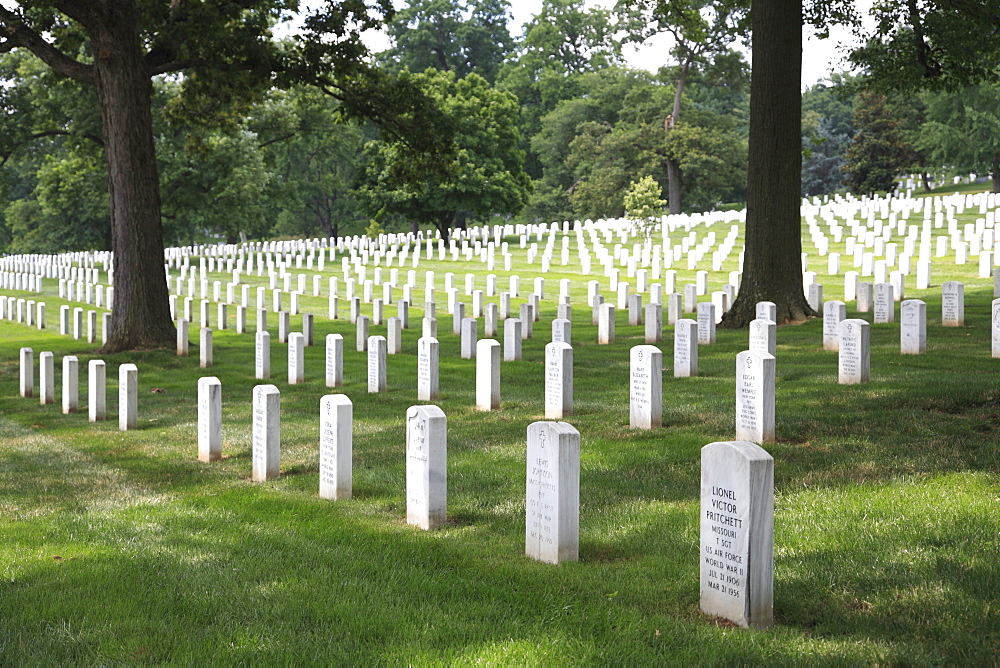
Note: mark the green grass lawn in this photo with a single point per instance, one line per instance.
(123, 548)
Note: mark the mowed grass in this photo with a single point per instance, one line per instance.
(123, 548)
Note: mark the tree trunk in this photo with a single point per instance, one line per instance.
(673, 169)
(926, 178)
(772, 265)
(995, 173)
(141, 313)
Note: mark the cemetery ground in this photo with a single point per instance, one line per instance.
(122, 547)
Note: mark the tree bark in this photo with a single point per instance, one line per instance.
(140, 316)
(772, 265)
(673, 169)
(995, 173)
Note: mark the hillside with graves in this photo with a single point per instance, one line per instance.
(522, 444)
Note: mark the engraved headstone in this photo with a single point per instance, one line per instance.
(952, 304)
(763, 336)
(737, 533)
(334, 360)
(266, 432)
(426, 466)
(654, 323)
(376, 364)
(336, 419)
(209, 419)
(552, 508)
(427, 369)
(885, 306)
(296, 358)
(262, 355)
(685, 348)
(562, 330)
(755, 396)
(913, 327)
(854, 352)
(833, 312)
(558, 380)
(706, 323)
(646, 387)
(865, 297)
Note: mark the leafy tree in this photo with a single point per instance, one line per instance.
(823, 155)
(920, 44)
(643, 204)
(225, 53)
(878, 152)
(963, 130)
(452, 36)
(563, 41)
(699, 28)
(486, 176)
(314, 154)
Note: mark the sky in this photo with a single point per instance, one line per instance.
(820, 57)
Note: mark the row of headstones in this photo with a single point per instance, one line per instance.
(128, 379)
(737, 491)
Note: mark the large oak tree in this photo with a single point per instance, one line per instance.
(225, 53)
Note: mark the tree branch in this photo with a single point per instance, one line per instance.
(17, 34)
(49, 133)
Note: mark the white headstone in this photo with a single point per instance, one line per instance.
(558, 380)
(96, 390)
(552, 508)
(205, 348)
(646, 387)
(334, 360)
(376, 364)
(128, 396)
(685, 348)
(426, 466)
(833, 312)
(737, 533)
(361, 343)
(336, 419)
(706, 323)
(763, 336)
(209, 419)
(262, 355)
(885, 305)
(952, 304)
(470, 334)
(487, 375)
(266, 432)
(606, 324)
(854, 352)
(562, 330)
(296, 358)
(46, 378)
(182, 337)
(755, 373)
(654, 323)
(70, 384)
(511, 339)
(427, 369)
(27, 377)
(913, 327)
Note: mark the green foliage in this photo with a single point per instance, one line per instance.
(450, 35)
(931, 44)
(878, 152)
(485, 176)
(962, 130)
(643, 204)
